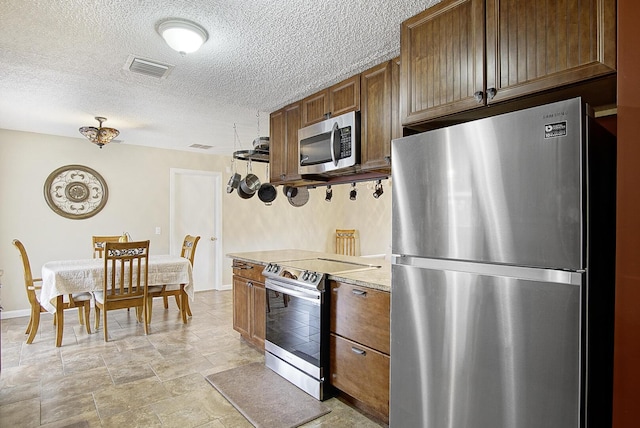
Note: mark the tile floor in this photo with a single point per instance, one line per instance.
(133, 380)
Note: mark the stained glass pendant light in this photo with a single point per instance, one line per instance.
(100, 135)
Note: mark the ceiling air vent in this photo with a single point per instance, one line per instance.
(200, 146)
(148, 67)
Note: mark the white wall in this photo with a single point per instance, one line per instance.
(138, 181)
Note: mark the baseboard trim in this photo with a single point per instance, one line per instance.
(5, 315)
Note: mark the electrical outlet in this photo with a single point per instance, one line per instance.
(158, 230)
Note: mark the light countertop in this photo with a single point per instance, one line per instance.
(376, 278)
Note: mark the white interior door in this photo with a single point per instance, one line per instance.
(196, 210)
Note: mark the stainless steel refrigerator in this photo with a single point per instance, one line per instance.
(502, 295)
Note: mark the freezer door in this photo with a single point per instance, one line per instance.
(480, 351)
(505, 189)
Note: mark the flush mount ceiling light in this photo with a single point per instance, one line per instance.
(99, 136)
(182, 35)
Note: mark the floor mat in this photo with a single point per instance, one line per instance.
(266, 399)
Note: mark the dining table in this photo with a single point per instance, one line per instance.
(63, 277)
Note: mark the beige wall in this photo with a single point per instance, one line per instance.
(138, 182)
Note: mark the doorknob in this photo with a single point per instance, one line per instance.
(213, 238)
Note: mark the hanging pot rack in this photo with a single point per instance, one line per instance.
(260, 151)
(254, 155)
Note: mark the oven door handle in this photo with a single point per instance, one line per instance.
(299, 294)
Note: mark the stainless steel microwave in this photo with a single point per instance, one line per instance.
(330, 145)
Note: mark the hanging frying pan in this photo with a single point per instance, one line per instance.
(233, 183)
(299, 197)
(267, 193)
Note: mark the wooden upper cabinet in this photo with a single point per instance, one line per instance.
(283, 144)
(441, 60)
(341, 98)
(376, 125)
(345, 96)
(314, 108)
(531, 46)
(396, 123)
(277, 146)
(535, 45)
(292, 125)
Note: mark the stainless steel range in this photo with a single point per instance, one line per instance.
(297, 330)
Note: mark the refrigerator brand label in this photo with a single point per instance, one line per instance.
(553, 130)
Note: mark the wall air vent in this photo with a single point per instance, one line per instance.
(148, 67)
(201, 146)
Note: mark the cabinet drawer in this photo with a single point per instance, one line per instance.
(361, 314)
(248, 270)
(361, 372)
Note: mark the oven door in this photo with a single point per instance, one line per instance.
(294, 325)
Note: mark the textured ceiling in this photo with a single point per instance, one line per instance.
(61, 64)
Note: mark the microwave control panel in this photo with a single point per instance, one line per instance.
(345, 142)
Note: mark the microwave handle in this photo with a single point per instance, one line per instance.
(335, 144)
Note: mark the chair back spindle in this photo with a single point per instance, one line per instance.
(99, 241)
(346, 242)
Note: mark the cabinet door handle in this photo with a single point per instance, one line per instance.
(478, 96)
(358, 351)
(491, 92)
(359, 292)
(249, 284)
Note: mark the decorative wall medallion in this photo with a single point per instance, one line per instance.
(75, 191)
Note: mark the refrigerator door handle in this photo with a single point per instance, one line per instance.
(527, 273)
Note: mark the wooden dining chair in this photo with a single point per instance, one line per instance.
(346, 242)
(82, 301)
(98, 243)
(126, 269)
(188, 251)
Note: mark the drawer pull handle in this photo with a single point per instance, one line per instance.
(358, 351)
(359, 292)
(242, 267)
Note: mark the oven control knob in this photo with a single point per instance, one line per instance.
(314, 277)
(305, 276)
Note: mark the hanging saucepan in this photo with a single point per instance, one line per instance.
(243, 194)
(250, 184)
(289, 191)
(299, 197)
(233, 183)
(267, 193)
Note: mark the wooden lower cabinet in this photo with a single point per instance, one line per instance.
(249, 303)
(361, 372)
(359, 345)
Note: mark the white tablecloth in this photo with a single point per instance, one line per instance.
(77, 276)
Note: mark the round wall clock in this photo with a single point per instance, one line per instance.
(75, 191)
